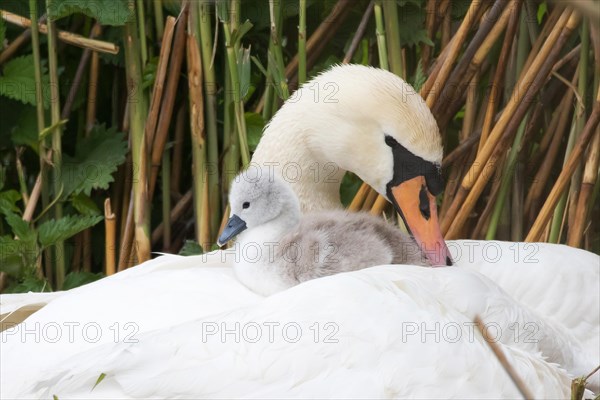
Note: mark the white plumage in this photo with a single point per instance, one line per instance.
(548, 291)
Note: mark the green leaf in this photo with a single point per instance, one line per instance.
(542, 10)
(29, 284)
(420, 77)
(239, 33)
(96, 160)
(18, 81)
(223, 10)
(53, 231)
(10, 255)
(255, 124)
(107, 12)
(84, 204)
(412, 22)
(149, 73)
(244, 70)
(190, 248)
(76, 279)
(8, 200)
(23, 127)
(20, 228)
(100, 379)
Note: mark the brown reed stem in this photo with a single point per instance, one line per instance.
(110, 226)
(67, 37)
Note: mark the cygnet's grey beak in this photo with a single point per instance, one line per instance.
(234, 226)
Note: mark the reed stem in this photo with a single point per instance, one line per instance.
(380, 31)
(59, 248)
(142, 28)
(302, 43)
(392, 37)
(238, 101)
(67, 37)
(159, 19)
(210, 109)
(137, 118)
(199, 151)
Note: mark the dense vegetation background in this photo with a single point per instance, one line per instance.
(106, 104)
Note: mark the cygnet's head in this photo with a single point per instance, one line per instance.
(256, 200)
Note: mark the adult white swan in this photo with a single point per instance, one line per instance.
(401, 331)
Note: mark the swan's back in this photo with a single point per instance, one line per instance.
(330, 242)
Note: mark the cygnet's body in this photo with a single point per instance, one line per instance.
(278, 248)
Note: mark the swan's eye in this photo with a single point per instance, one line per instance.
(390, 141)
(424, 203)
(245, 205)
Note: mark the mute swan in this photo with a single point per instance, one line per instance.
(166, 299)
(367, 121)
(283, 249)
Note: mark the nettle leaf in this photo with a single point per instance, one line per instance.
(96, 160)
(10, 255)
(8, 200)
(25, 130)
(84, 204)
(107, 12)
(20, 228)
(53, 231)
(76, 279)
(412, 20)
(18, 81)
(30, 283)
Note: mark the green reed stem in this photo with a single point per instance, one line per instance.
(59, 254)
(579, 119)
(302, 43)
(232, 61)
(139, 152)
(205, 16)
(380, 32)
(159, 19)
(392, 36)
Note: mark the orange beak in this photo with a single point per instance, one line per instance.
(418, 209)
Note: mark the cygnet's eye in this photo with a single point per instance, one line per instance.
(245, 205)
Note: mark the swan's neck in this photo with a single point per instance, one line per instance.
(315, 181)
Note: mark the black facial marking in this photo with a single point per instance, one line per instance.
(408, 166)
(390, 141)
(424, 203)
(245, 205)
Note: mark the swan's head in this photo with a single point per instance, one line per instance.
(255, 200)
(371, 122)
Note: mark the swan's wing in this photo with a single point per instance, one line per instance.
(160, 293)
(31, 302)
(13, 303)
(559, 282)
(390, 331)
